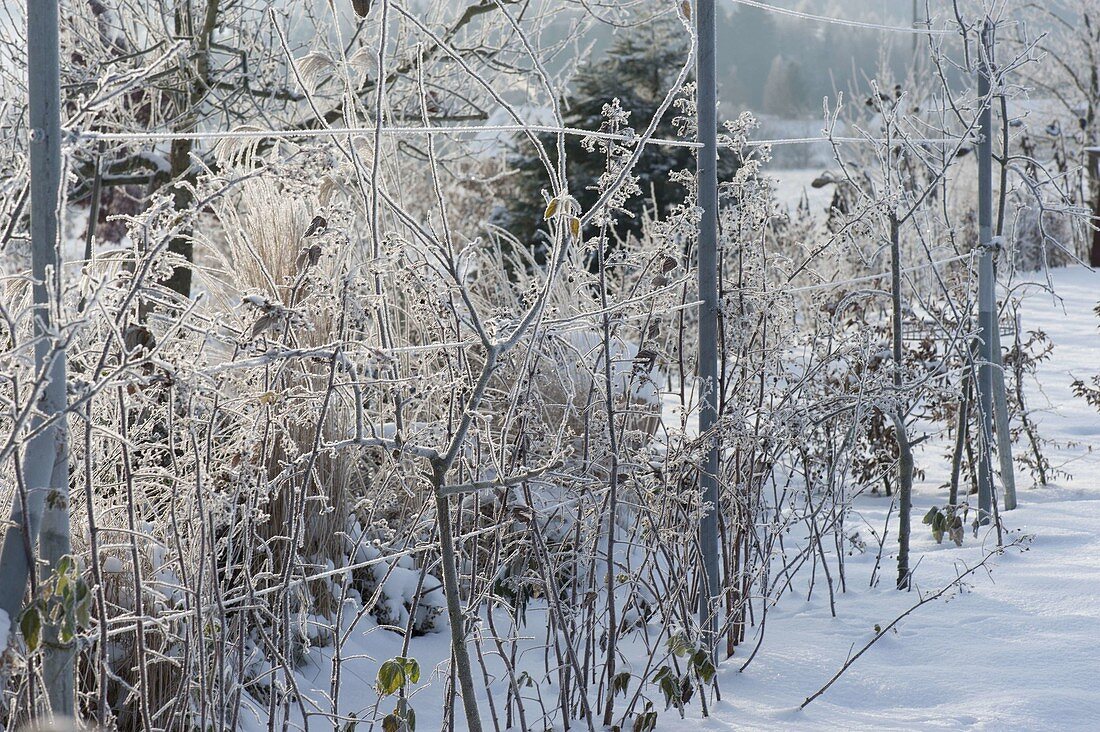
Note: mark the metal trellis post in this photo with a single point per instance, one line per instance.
(707, 101)
(45, 465)
(1000, 414)
(987, 319)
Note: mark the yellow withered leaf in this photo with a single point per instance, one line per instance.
(551, 209)
(575, 227)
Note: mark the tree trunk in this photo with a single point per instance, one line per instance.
(455, 616)
(905, 450)
(181, 244)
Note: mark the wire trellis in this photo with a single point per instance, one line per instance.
(260, 134)
(844, 21)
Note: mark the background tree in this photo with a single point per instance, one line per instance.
(1070, 81)
(754, 40)
(635, 73)
(188, 67)
(784, 91)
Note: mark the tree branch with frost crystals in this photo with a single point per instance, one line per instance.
(442, 464)
(557, 184)
(503, 482)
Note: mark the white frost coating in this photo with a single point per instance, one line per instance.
(1043, 605)
(5, 629)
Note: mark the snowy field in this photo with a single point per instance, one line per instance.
(358, 369)
(792, 184)
(1014, 647)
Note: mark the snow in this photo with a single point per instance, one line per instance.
(791, 185)
(1015, 649)
(5, 629)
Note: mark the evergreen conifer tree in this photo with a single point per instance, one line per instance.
(784, 90)
(637, 70)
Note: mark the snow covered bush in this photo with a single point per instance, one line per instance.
(334, 391)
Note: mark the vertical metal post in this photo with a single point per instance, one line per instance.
(1000, 415)
(987, 319)
(707, 101)
(54, 543)
(45, 465)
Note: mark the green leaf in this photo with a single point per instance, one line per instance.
(704, 668)
(931, 515)
(957, 531)
(687, 690)
(669, 684)
(391, 677)
(391, 723)
(670, 690)
(83, 616)
(620, 682)
(31, 626)
(679, 645)
(83, 605)
(646, 722)
(412, 669)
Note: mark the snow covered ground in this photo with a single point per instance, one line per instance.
(794, 183)
(1017, 649)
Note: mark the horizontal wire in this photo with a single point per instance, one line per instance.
(235, 600)
(845, 22)
(847, 140)
(294, 582)
(434, 130)
(869, 278)
(474, 129)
